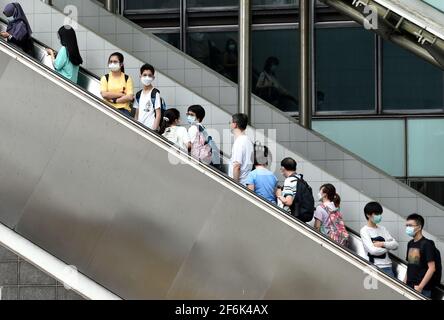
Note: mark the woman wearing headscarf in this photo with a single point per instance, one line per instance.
(68, 58)
(18, 31)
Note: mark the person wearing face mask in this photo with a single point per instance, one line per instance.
(328, 218)
(201, 147)
(117, 87)
(68, 59)
(268, 87)
(148, 103)
(377, 240)
(231, 60)
(18, 31)
(424, 266)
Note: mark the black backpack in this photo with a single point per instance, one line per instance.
(436, 278)
(303, 206)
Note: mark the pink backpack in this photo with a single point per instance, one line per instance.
(200, 148)
(335, 227)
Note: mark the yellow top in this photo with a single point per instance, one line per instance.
(117, 85)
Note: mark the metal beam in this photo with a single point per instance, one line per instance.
(244, 92)
(111, 5)
(306, 36)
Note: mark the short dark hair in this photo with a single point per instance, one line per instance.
(199, 111)
(418, 218)
(149, 67)
(372, 207)
(289, 164)
(241, 120)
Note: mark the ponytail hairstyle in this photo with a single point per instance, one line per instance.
(170, 117)
(121, 60)
(332, 196)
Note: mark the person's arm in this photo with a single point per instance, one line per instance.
(250, 187)
(61, 60)
(370, 246)
(390, 243)
(106, 94)
(288, 200)
(129, 92)
(236, 171)
(5, 35)
(136, 117)
(317, 225)
(428, 276)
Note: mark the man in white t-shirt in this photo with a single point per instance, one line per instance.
(147, 113)
(242, 154)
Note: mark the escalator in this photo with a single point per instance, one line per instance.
(102, 193)
(412, 24)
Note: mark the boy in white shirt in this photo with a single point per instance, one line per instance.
(242, 154)
(377, 240)
(148, 103)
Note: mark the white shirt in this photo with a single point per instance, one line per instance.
(242, 153)
(367, 234)
(147, 113)
(178, 136)
(322, 214)
(192, 132)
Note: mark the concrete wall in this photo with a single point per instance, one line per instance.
(20, 280)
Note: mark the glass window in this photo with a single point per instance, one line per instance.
(384, 147)
(217, 50)
(345, 69)
(231, 3)
(425, 143)
(276, 67)
(438, 4)
(151, 4)
(410, 82)
(171, 38)
(432, 189)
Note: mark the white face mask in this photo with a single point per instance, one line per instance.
(114, 67)
(147, 81)
(320, 196)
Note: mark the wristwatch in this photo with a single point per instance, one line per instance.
(114, 100)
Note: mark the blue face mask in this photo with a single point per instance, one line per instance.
(410, 231)
(191, 119)
(377, 219)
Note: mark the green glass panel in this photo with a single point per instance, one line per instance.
(426, 147)
(379, 142)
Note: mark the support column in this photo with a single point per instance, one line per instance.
(244, 94)
(111, 5)
(306, 36)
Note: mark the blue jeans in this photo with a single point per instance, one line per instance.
(427, 293)
(125, 112)
(389, 272)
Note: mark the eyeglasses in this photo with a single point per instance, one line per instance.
(411, 225)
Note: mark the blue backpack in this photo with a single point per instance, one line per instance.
(163, 106)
